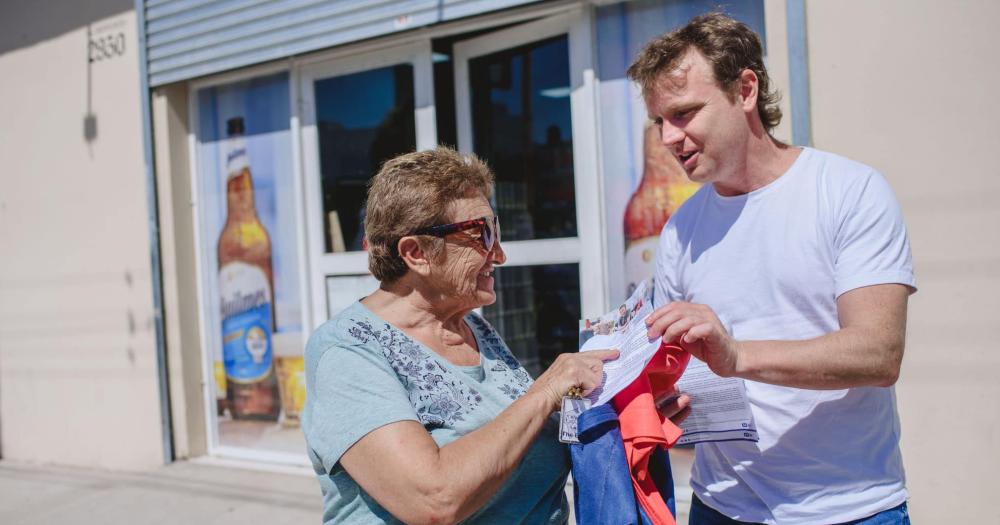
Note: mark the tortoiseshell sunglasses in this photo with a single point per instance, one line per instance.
(489, 230)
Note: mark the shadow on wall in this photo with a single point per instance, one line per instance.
(27, 22)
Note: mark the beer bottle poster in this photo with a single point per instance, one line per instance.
(643, 183)
(250, 270)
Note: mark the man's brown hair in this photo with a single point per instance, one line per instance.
(414, 191)
(729, 46)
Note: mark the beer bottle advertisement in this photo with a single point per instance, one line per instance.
(249, 239)
(245, 285)
(662, 189)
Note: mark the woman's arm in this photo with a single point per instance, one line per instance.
(402, 467)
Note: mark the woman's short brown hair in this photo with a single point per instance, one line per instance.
(729, 46)
(414, 191)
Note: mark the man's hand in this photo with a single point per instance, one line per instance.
(674, 406)
(698, 330)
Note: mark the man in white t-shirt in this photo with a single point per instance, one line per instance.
(789, 268)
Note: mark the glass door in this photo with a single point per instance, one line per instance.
(524, 104)
(357, 111)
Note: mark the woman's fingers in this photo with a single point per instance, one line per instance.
(603, 355)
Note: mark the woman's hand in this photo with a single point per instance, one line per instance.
(581, 369)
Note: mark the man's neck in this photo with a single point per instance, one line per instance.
(765, 161)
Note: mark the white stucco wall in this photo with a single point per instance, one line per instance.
(78, 382)
(909, 86)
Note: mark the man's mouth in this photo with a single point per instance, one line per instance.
(486, 273)
(685, 157)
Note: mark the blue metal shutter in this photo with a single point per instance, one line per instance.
(192, 38)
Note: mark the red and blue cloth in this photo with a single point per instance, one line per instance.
(621, 471)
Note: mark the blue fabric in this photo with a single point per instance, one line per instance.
(602, 483)
(702, 514)
(898, 515)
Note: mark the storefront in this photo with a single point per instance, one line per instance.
(276, 153)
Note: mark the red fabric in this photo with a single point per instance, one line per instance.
(643, 428)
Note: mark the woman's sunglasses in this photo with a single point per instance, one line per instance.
(489, 230)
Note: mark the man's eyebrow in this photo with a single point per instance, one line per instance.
(683, 107)
(670, 109)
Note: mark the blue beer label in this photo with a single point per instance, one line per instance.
(246, 322)
(246, 351)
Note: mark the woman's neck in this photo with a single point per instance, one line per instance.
(408, 307)
(441, 328)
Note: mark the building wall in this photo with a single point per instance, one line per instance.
(178, 255)
(908, 87)
(78, 377)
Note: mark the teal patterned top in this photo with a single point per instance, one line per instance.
(363, 373)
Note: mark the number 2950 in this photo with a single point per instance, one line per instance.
(106, 47)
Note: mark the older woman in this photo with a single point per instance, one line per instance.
(417, 411)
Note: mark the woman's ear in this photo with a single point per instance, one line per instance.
(414, 255)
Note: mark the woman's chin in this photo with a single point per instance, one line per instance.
(486, 297)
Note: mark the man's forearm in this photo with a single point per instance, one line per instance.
(846, 358)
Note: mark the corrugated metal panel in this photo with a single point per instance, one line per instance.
(192, 38)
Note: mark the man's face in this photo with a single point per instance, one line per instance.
(704, 127)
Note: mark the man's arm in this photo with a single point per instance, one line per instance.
(866, 351)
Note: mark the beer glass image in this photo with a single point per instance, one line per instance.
(290, 367)
(246, 287)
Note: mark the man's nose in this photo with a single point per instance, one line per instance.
(671, 135)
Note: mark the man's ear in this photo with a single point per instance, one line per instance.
(748, 86)
(413, 255)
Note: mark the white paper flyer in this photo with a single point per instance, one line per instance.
(720, 409)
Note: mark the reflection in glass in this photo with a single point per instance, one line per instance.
(363, 119)
(537, 312)
(522, 127)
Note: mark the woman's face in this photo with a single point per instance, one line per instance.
(464, 270)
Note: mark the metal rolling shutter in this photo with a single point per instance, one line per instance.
(192, 38)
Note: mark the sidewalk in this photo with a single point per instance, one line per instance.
(183, 492)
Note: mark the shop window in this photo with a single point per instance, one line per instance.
(537, 312)
(521, 126)
(363, 119)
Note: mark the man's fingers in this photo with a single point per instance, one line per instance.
(678, 329)
(698, 332)
(661, 325)
(671, 406)
(658, 313)
(673, 308)
(680, 416)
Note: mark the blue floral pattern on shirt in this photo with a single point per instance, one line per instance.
(506, 362)
(436, 393)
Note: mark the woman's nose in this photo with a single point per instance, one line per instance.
(498, 255)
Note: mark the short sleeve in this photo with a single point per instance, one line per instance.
(351, 392)
(870, 240)
(665, 280)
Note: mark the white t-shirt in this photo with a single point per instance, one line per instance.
(771, 264)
